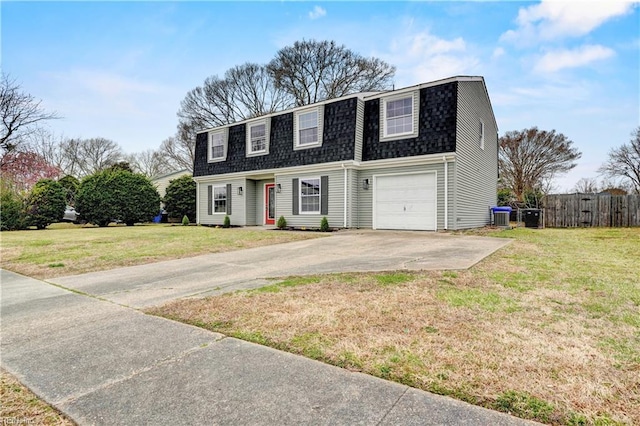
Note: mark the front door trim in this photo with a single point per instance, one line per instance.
(269, 200)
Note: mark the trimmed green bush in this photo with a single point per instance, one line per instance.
(117, 194)
(282, 222)
(185, 220)
(180, 198)
(227, 222)
(45, 204)
(324, 225)
(12, 214)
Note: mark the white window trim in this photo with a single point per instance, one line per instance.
(296, 135)
(267, 130)
(384, 136)
(481, 138)
(213, 200)
(225, 139)
(319, 194)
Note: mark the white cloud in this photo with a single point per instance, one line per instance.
(497, 52)
(565, 58)
(317, 12)
(422, 56)
(550, 20)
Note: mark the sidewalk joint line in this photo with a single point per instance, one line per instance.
(393, 405)
(70, 399)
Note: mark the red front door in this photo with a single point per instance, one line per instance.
(270, 204)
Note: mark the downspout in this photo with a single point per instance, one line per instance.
(446, 193)
(198, 204)
(346, 187)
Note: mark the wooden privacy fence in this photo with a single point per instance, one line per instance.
(584, 210)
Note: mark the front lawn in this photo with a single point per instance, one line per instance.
(65, 249)
(21, 407)
(547, 328)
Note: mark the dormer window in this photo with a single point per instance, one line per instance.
(258, 137)
(308, 128)
(218, 145)
(399, 116)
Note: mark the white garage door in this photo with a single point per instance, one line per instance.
(405, 202)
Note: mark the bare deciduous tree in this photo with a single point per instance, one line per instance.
(312, 71)
(20, 112)
(624, 162)
(529, 159)
(586, 186)
(245, 91)
(307, 72)
(149, 163)
(47, 145)
(178, 152)
(86, 156)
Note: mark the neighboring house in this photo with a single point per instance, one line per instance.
(420, 158)
(162, 182)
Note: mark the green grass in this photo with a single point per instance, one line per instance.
(64, 249)
(287, 282)
(547, 328)
(476, 298)
(525, 406)
(393, 278)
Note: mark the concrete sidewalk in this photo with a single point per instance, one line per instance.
(104, 364)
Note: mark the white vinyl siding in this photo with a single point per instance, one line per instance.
(399, 116)
(476, 168)
(218, 145)
(250, 202)
(238, 205)
(335, 200)
(307, 128)
(258, 137)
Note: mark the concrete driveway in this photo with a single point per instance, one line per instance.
(348, 251)
(106, 364)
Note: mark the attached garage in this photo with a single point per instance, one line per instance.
(405, 201)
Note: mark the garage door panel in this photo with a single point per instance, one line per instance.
(405, 202)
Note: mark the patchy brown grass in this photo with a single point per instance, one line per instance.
(18, 405)
(548, 328)
(65, 249)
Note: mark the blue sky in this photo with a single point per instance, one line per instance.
(120, 69)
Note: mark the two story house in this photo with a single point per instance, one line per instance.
(419, 158)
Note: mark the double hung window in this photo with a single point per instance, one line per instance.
(218, 145)
(398, 116)
(310, 195)
(308, 128)
(258, 137)
(219, 199)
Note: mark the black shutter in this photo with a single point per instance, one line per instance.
(296, 196)
(229, 199)
(324, 195)
(210, 200)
